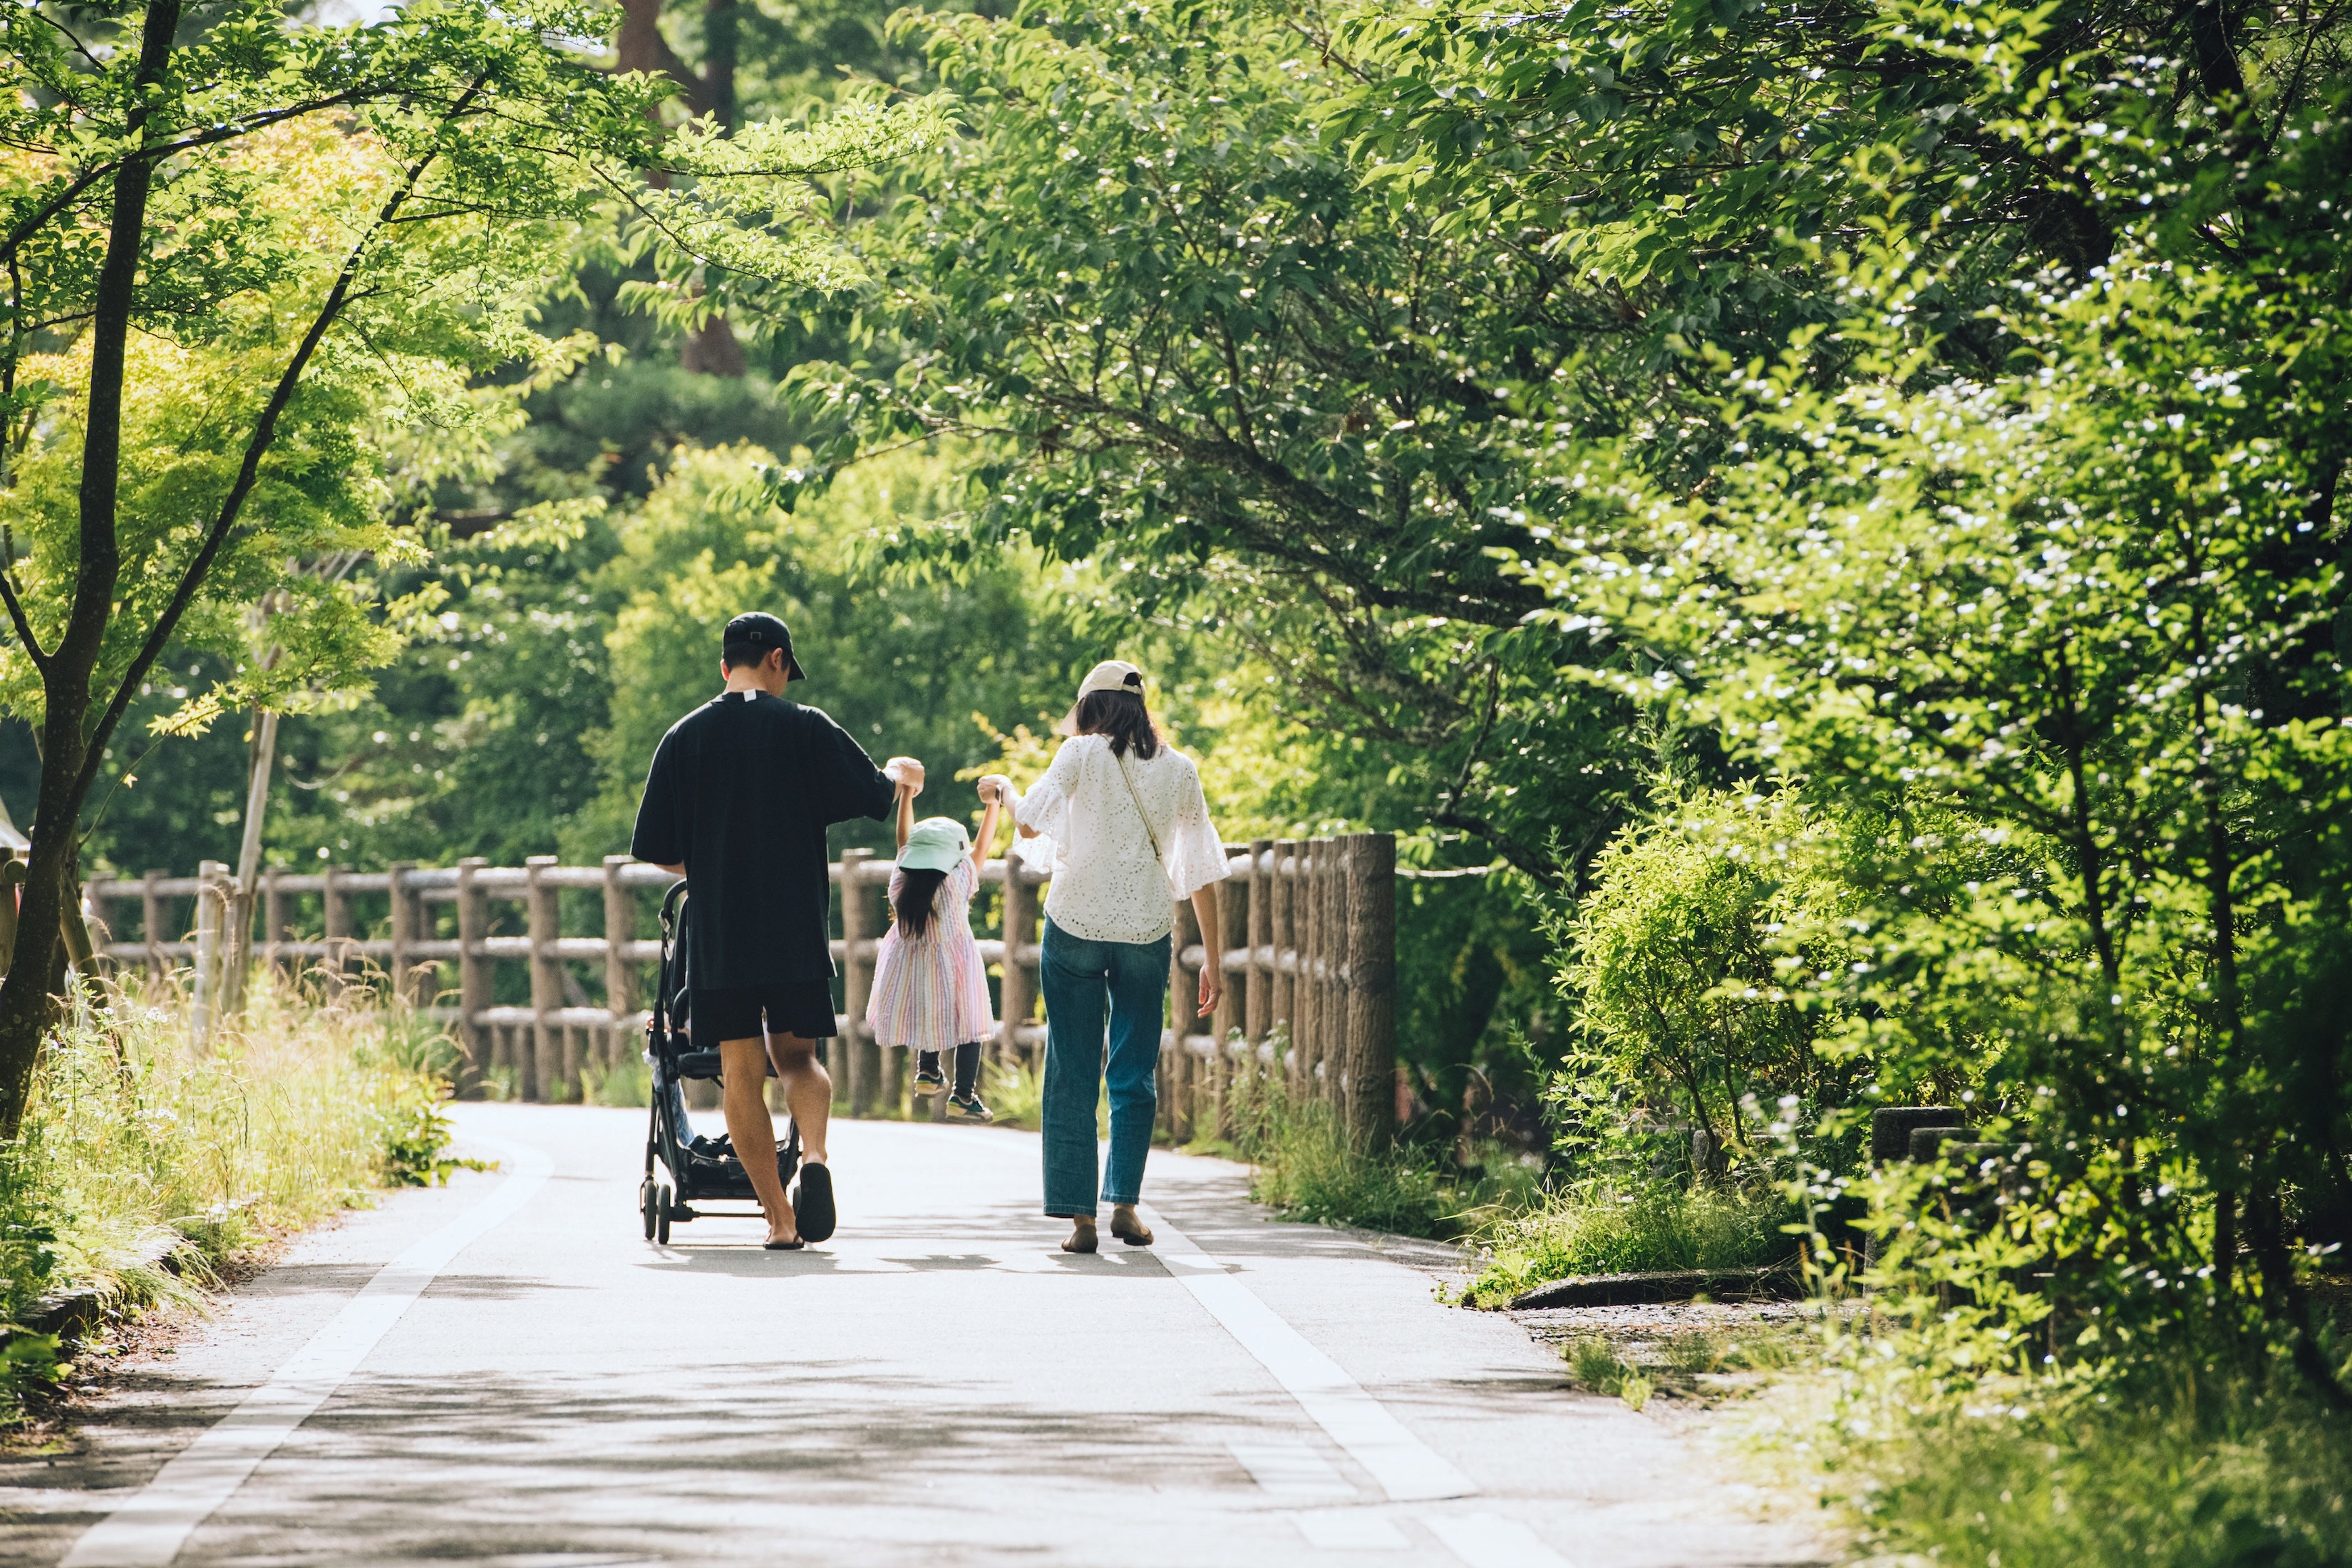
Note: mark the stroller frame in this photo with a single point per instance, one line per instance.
(694, 1177)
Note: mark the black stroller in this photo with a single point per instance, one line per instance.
(701, 1170)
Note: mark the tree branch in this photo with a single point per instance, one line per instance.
(16, 618)
(264, 433)
(1522, 855)
(24, 230)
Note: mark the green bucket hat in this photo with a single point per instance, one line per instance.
(935, 844)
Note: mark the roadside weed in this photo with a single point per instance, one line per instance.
(1695, 1352)
(1585, 1230)
(1593, 1362)
(137, 1144)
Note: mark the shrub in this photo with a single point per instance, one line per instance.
(1679, 966)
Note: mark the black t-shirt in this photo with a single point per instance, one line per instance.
(740, 793)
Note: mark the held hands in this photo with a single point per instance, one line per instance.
(994, 788)
(907, 773)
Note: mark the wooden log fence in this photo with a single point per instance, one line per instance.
(1308, 953)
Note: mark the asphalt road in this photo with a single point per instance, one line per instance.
(503, 1371)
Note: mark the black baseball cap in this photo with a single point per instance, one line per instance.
(759, 630)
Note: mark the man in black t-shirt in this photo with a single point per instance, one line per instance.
(738, 797)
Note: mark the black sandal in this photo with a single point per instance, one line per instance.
(782, 1246)
(813, 1204)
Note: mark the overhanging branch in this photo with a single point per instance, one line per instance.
(264, 433)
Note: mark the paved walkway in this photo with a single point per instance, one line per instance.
(502, 1372)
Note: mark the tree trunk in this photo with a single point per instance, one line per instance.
(642, 47)
(710, 349)
(720, 48)
(239, 956)
(28, 1003)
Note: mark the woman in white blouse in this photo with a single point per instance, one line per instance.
(1129, 835)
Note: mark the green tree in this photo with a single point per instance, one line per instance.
(2088, 610)
(237, 251)
(906, 665)
(1216, 365)
(143, 198)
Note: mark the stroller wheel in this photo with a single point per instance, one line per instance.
(646, 1203)
(661, 1216)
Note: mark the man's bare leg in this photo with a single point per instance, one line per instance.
(744, 1066)
(808, 1092)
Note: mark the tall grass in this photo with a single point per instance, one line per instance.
(627, 1083)
(1015, 1093)
(1306, 1167)
(1590, 1230)
(2205, 1465)
(136, 1143)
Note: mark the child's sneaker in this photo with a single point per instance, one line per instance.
(929, 1081)
(968, 1108)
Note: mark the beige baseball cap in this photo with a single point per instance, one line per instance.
(1110, 675)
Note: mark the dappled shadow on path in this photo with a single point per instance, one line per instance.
(691, 1465)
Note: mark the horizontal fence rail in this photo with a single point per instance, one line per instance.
(1306, 949)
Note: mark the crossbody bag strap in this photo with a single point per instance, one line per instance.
(1136, 796)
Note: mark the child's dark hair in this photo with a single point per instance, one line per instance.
(916, 890)
(1122, 716)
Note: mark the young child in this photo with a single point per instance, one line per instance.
(931, 990)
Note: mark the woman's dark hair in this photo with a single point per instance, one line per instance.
(917, 890)
(1120, 716)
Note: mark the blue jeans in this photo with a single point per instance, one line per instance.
(1082, 981)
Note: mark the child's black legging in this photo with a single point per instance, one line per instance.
(967, 1067)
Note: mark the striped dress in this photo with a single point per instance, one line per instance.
(932, 994)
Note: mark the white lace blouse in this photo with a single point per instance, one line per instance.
(1106, 885)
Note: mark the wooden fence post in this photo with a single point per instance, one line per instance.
(1257, 1001)
(273, 921)
(545, 1076)
(150, 920)
(1370, 982)
(856, 988)
(1312, 1023)
(1233, 917)
(1018, 994)
(620, 978)
(1281, 1004)
(473, 976)
(336, 912)
(1306, 1006)
(1334, 958)
(208, 942)
(403, 904)
(1175, 1077)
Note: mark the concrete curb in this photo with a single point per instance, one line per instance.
(1778, 1282)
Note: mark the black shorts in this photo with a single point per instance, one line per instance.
(803, 1008)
